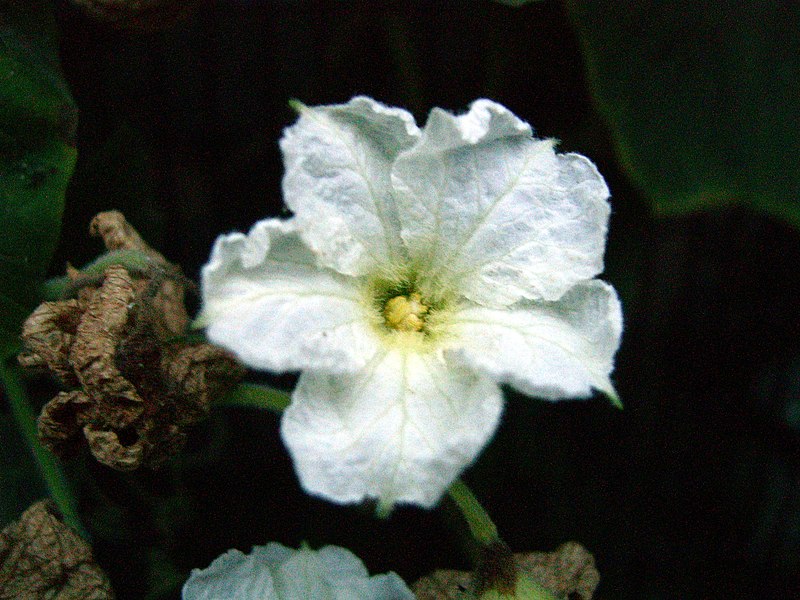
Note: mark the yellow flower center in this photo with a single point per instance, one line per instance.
(405, 313)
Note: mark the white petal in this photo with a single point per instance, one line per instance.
(551, 350)
(232, 576)
(266, 300)
(401, 431)
(336, 574)
(274, 572)
(496, 213)
(338, 160)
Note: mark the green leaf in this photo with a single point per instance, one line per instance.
(37, 155)
(701, 99)
(19, 478)
(59, 488)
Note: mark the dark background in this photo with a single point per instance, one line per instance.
(693, 491)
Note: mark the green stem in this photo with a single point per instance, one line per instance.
(134, 261)
(251, 395)
(480, 523)
(54, 478)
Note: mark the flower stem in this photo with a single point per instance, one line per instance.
(251, 395)
(54, 478)
(483, 529)
(134, 261)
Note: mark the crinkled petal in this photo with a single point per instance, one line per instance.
(266, 299)
(232, 576)
(552, 350)
(400, 431)
(274, 572)
(337, 574)
(495, 213)
(338, 160)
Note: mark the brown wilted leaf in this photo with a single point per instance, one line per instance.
(43, 559)
(166, 298)
(118, 234)
(60, 422)
(444, 584)
(93, 355)
(49, 333)
(120, 342)
(569, 572)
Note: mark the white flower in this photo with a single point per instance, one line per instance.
(421, 269)
(274, 572)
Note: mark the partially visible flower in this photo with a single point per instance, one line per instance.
(275, 572)
(421, 269)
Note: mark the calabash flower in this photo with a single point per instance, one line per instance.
(422, 268)
(275, 572)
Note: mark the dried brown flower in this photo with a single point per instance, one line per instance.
(569, 572)
(119, 341)
(41, 558)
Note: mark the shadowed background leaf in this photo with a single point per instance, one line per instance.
(37, 128)
(701, 99)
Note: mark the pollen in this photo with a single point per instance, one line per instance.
(405, 313)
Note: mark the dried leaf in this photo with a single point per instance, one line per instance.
(444, 584)
(49, 333)
(118, 234)
(43, 559)
(94, 352)
(568, 572)
(60, 421)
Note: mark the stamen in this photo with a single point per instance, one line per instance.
(405, 313)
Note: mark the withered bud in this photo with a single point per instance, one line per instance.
(120, 343)
(41, 557)
(138, 15)
(569, 572)
(117, 234)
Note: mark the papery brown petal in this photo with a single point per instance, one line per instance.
(61, 422)
(108, 449)
(568, 570)
(118, 234)
(444, 585)
(41, 558)
(120, 340)
(48, 334)
(201, 373)
(167, 306)
(166, 299)
(94, 351)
